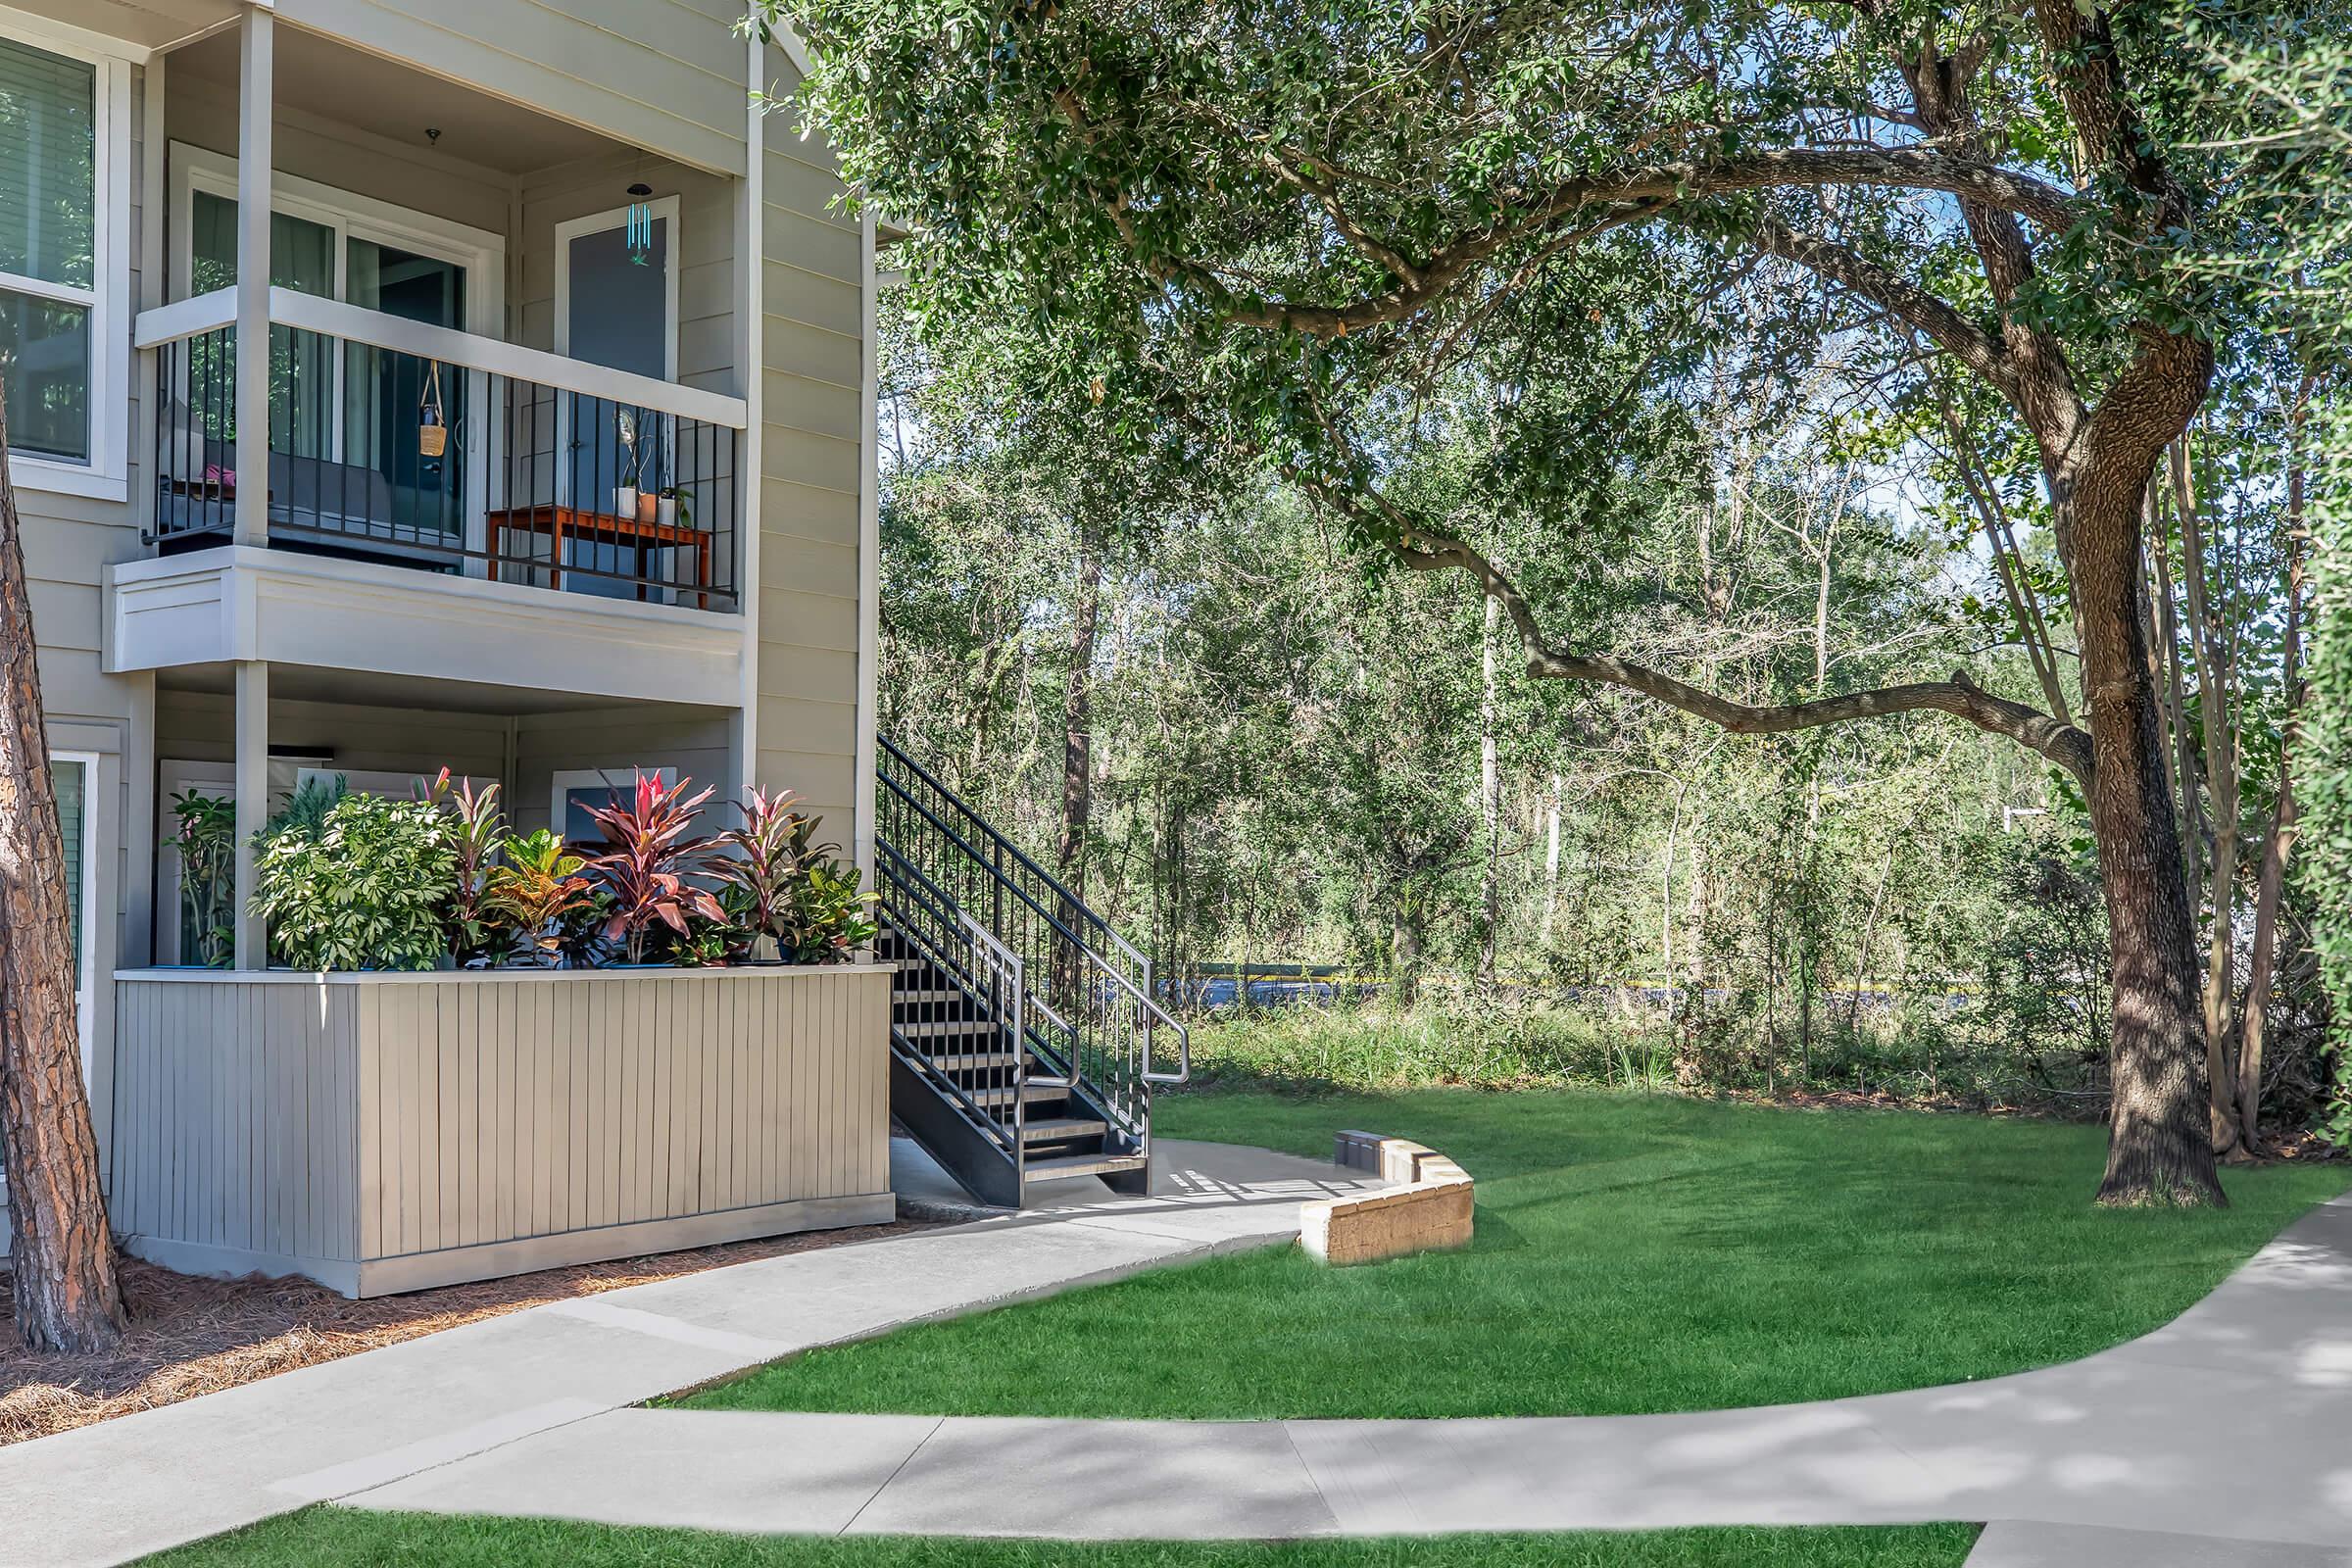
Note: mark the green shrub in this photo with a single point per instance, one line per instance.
(363, 884)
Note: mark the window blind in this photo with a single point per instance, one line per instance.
(48, 165)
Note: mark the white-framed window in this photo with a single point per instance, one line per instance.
(65, 262)
(573, 791)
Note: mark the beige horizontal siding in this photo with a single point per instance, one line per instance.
(812, 457)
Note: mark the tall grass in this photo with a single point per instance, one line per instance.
(1526, 1039)
(1502, 1041)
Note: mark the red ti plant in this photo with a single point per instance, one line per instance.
(650, 858)
(770, 848)
(473, 828)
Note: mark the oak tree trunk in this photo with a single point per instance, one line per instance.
(2160, 1146)
(67, 1297)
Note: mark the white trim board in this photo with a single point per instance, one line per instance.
(239, 603)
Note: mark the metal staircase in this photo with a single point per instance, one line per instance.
(1025, 1037)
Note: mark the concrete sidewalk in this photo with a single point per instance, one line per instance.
(125, 1488)
(2225, 1437)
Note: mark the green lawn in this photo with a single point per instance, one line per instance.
(1633, 1255)
(335, 1538)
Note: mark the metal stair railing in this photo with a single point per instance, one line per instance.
(966, 960)
(1107, 1031)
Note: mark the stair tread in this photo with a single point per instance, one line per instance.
(1054, 1129)
(969, 1061)
(939, 1028)
(1063, 1166)
(1033, 1093)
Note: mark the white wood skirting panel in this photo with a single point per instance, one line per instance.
(238, 602)
(391, 1132)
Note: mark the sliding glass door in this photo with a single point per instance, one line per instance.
(348, 466)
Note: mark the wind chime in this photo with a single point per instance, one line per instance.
(640, 224)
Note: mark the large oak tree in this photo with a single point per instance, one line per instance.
(1231, 226)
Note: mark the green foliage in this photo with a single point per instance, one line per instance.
(2327, 734)
(363, 884)
(206, 838)
(827, 919)
(770, 848)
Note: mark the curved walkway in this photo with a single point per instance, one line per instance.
(2229, 1427)
(2225, 1437)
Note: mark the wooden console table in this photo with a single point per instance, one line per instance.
(605, 528)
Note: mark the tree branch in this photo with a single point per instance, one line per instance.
(1573, 204)
(1423, 550)
(1908, 303)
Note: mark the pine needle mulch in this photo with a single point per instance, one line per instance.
(192, 1336)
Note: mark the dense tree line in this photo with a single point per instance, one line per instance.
(1471, 279)
(1289, 754)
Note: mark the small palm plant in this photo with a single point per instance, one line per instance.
(538, 892)
(649, 862)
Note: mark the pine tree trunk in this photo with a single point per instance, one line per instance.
(2160, 1146)
(67, 1297)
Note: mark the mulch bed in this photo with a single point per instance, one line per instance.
(192, 1336)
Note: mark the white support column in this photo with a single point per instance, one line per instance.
(256, 100)
(139, 835)
(869, 566)
(252, 802)
(751, 355)
(153, 202)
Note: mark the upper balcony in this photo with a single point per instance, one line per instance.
(499, 431)
(411, 444)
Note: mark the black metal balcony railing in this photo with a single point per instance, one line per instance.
(387, 455)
